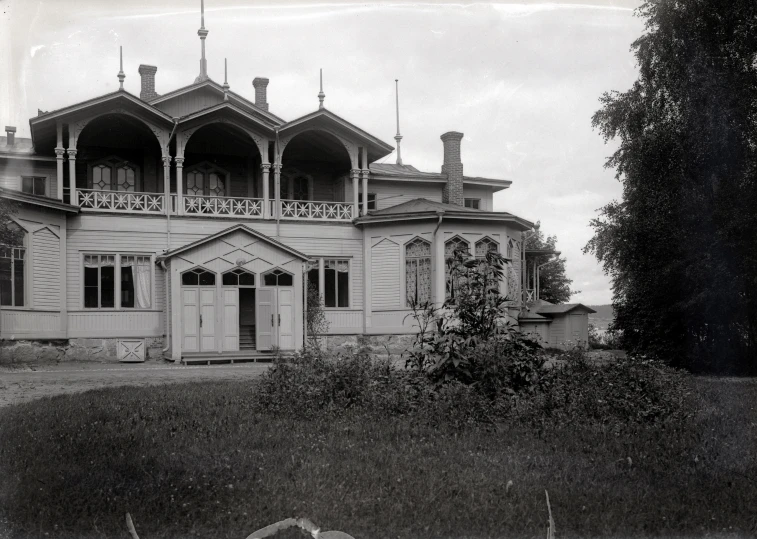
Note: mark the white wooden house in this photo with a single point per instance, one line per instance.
(186, 225)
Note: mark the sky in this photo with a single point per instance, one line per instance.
(520, 79)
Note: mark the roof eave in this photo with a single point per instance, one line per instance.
(37, 200)
(478, 216)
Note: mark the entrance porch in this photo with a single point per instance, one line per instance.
(235, 295)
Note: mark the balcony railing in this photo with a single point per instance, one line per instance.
(121, 201)
(320, 211)
(223, 206)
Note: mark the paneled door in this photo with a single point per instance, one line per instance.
(190, 312)
(285, 318)
(207, 319)
(230, 319)
(266, 317)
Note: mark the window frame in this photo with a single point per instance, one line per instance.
(45, 179)
(238, 271)
(25, 274)
(319, 263)
(116, 282)
(372, 203)
(403, 269)
(476, 200)
(206, 168)
(277, 285)
(489, 241)
(336, 282)
(114, 162)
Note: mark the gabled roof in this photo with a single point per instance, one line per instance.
(545, 307)
(421, 208)
(228, 231)
(120, 94)
(37, 200)
(376, 147)
(391, 171)
(227, 105)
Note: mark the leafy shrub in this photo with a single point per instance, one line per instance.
(316, 322)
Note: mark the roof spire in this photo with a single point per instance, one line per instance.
(398, 137)
(321, 95)
(203, 33)
(121, 74)
(225, 80)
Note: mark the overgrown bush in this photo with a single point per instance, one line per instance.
(316, 322)
(603, 340)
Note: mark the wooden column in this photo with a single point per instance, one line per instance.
(179, 185)
(365, 192)
(322, 279)
(266, 168)
(72, 176)
(167, 183)
(277, 190)
(355, 193)
(59, 153)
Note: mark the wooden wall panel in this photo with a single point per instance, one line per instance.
(46, 269)
(385, 275)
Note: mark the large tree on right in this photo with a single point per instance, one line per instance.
(681, 244)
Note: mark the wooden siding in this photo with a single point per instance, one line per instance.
(46, 269)
(109, 323)
(344, 322)
(190, 102)
(389, 322)
(539, 330)
(483, 193)
(11, 171)
(27, 324)
(385, 275)
(392, 193)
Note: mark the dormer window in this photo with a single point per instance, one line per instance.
(206, 179)
(114, 174)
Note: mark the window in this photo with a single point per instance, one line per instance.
(337, 279)
(278, 277)
(99, 281)
(205, 179)
(136, 273)
(198, 277)
(300, 188)
(115, 174)
(473, 203)
(371, 203)
(510, 245)
(12, 276)
(452, 246)
(238, 277)
(484, 245)
(314, 282)
(34, 185)
(417, 271)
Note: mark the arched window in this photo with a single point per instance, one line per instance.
(198, 277)
(238, 277)
(484, 245)
(278, 277)
(206, 179)
(12, 272)
(510, 245)
(115, 174)
(300, 188)
(452, 246)
(417, 271)
(295, 185)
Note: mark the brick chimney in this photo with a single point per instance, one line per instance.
(261, 94)
(453, 168)
(148, 82)
(10, 132)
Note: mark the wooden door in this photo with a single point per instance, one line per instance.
(286, 318)
(190, 312)
(230, 319)
(207, 319)
(266, 329)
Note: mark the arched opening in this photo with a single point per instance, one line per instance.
(221, 161)
(315, 167)
(117, 153)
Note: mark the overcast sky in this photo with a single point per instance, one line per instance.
(520, 79)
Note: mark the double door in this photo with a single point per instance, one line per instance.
(198, 318)
(275, 318)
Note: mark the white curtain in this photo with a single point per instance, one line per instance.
(140, 270)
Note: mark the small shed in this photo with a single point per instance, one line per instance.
(557, 326)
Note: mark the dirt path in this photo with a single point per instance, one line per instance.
(24, 384)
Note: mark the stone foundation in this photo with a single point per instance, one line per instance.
(54, 351)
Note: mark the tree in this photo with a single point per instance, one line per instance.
(680, 246)
(554, 285)
(10, 232)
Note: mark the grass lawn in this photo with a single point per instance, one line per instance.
(199, 460)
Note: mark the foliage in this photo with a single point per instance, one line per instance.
(603, 340)
(470, 339)
(10, 232)
(680, 245)
(554, 284)
(316, 322)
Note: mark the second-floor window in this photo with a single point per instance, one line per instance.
(206, 180)
(473, 203)
(115, 174)
(34, 185)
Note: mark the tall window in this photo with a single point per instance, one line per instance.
(300, 188)
(313, 275)
(337, 283)
(34, 185)
(115, 174)
(136, 273)
(452, 246)
(206, 179)
(99, 281)
(484, 245)
(510, 245)
(12, 276)
(473, 203)
(417, 271)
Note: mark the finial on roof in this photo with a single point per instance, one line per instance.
(321, 95)
(398, 137)
(203, 33)
(121, 74)
(225, 80)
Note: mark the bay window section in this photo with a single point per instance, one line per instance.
(337, 279)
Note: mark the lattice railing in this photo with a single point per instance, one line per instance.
(120, 201)
(223, 206)
(307, 209)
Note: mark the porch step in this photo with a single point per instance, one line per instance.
(226, 357)
(247, 337)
